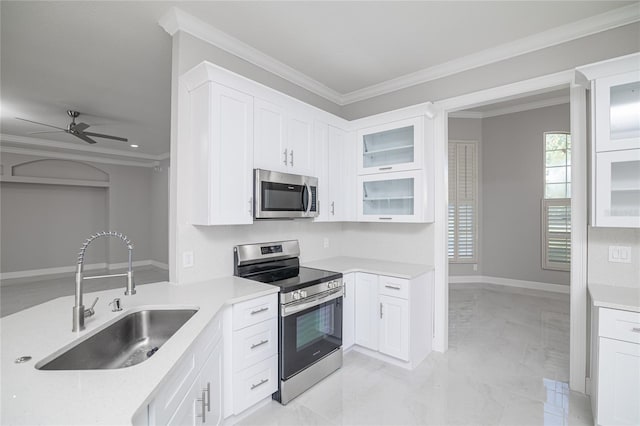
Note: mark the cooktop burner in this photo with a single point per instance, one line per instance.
(294, 278)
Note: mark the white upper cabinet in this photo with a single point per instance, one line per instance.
(391, 147)
(283, 139)
(270, 148)
(342, 176)
(221, 135)
(391, 197)
(615, 141)
(617, 112)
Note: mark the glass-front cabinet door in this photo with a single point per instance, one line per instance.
(391, 147)
(617, 195)
(617, 115)
(391, 197)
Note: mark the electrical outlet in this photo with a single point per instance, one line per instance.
(620, 254)
(187, 259)
(326, 243)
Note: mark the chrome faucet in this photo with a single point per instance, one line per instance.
(79, 312)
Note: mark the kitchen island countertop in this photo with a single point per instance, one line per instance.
(32, 396)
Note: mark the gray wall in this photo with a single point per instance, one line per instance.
(44, 225)
(512, 190)
(159, 237)
(608, 44)
(193, 51)
(469, 129)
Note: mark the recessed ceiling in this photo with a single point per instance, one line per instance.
(112, 61)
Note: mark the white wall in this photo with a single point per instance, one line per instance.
(512, 190)
(159, 237)
(43, 226)
(600, 270)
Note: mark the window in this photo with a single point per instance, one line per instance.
(556, 205)
(463, 202)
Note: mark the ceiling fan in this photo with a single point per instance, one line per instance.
(76, 129)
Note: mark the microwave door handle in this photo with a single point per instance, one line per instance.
(308, 189)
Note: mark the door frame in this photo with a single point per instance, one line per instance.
(579, 208)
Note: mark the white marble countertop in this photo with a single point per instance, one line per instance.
(347, 264)
(31, 396)
(614, 297)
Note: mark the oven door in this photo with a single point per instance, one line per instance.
(310, 333)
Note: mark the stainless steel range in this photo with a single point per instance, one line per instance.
(310, 323)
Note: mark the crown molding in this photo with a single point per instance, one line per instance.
(96, 152)
(562, 34)
(560, 100)
(78, 157)
(177, 20)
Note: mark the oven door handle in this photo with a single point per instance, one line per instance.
(292, 308)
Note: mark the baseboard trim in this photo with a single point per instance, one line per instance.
(69, 269)
(533, 285)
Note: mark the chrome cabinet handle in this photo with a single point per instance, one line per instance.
(385, 168)
(385, 218)
(257, 311)
(203, 414)
(291, 154)
(333, 208)
(636, 329)
(250, 206)
(262, 342)
(208, 391)
(262, 382)
(392, 287)
(285, 156)
(380, 310)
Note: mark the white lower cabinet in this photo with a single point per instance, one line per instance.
(252, 367)
(203, 403)
(349, 311)
(367, 310)
(393, 338)
(394, 316)
(616, 367)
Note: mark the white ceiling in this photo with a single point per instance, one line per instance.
(112, 61)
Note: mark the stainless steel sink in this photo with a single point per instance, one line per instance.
(129, 341)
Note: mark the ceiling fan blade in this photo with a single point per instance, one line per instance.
(48, 131)
(42, 124)
(80, 127)
(100, 135)
(84, 137)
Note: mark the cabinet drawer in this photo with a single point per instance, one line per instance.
(254, 344)
(392, 286)
(255, 383)
(620, 325)
(255, 311)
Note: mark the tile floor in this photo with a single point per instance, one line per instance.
(21, 293)
(508, 364)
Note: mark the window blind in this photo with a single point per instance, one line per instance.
(556, 222)
(463, 202)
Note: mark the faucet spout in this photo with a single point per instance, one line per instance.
(79, 311)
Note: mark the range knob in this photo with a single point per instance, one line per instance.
(296, 295)
(303, 293)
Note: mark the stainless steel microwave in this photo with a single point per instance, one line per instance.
(284, 196)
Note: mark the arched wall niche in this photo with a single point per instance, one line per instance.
(60, 169)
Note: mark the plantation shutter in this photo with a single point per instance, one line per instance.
(463, 201)
(556, 217)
